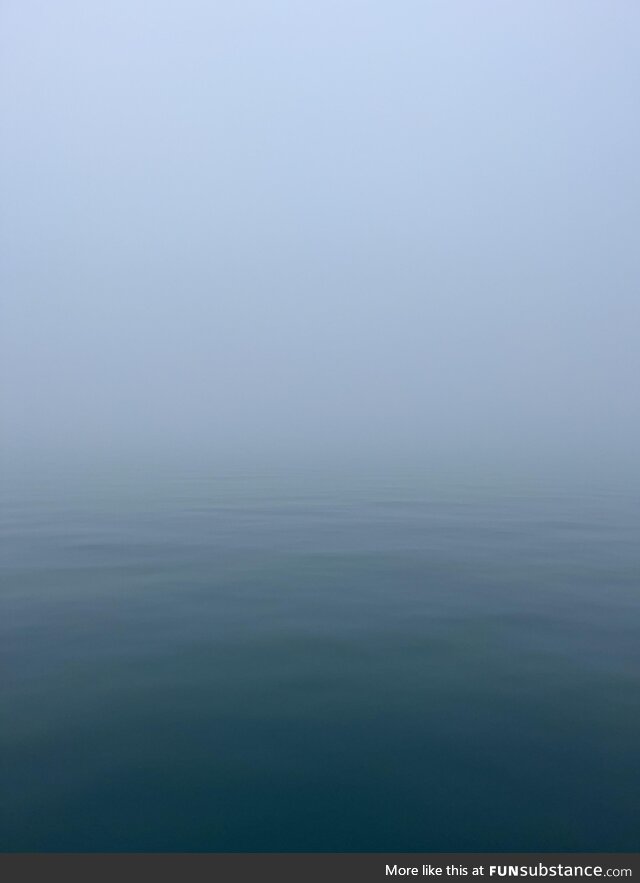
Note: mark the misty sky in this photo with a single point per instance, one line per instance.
(405, 228)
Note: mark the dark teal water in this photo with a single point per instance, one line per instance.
(252, 663)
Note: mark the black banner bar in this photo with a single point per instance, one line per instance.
(330, 867)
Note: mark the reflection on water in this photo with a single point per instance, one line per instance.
(240, 663)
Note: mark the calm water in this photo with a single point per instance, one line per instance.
(255, 663)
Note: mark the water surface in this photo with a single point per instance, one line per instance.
(250, 662)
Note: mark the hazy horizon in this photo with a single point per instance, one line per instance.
(357, 232)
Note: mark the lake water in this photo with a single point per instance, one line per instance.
(242, 662)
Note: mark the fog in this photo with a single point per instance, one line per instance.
(290, 230)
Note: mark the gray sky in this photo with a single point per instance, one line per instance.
(286, 228)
